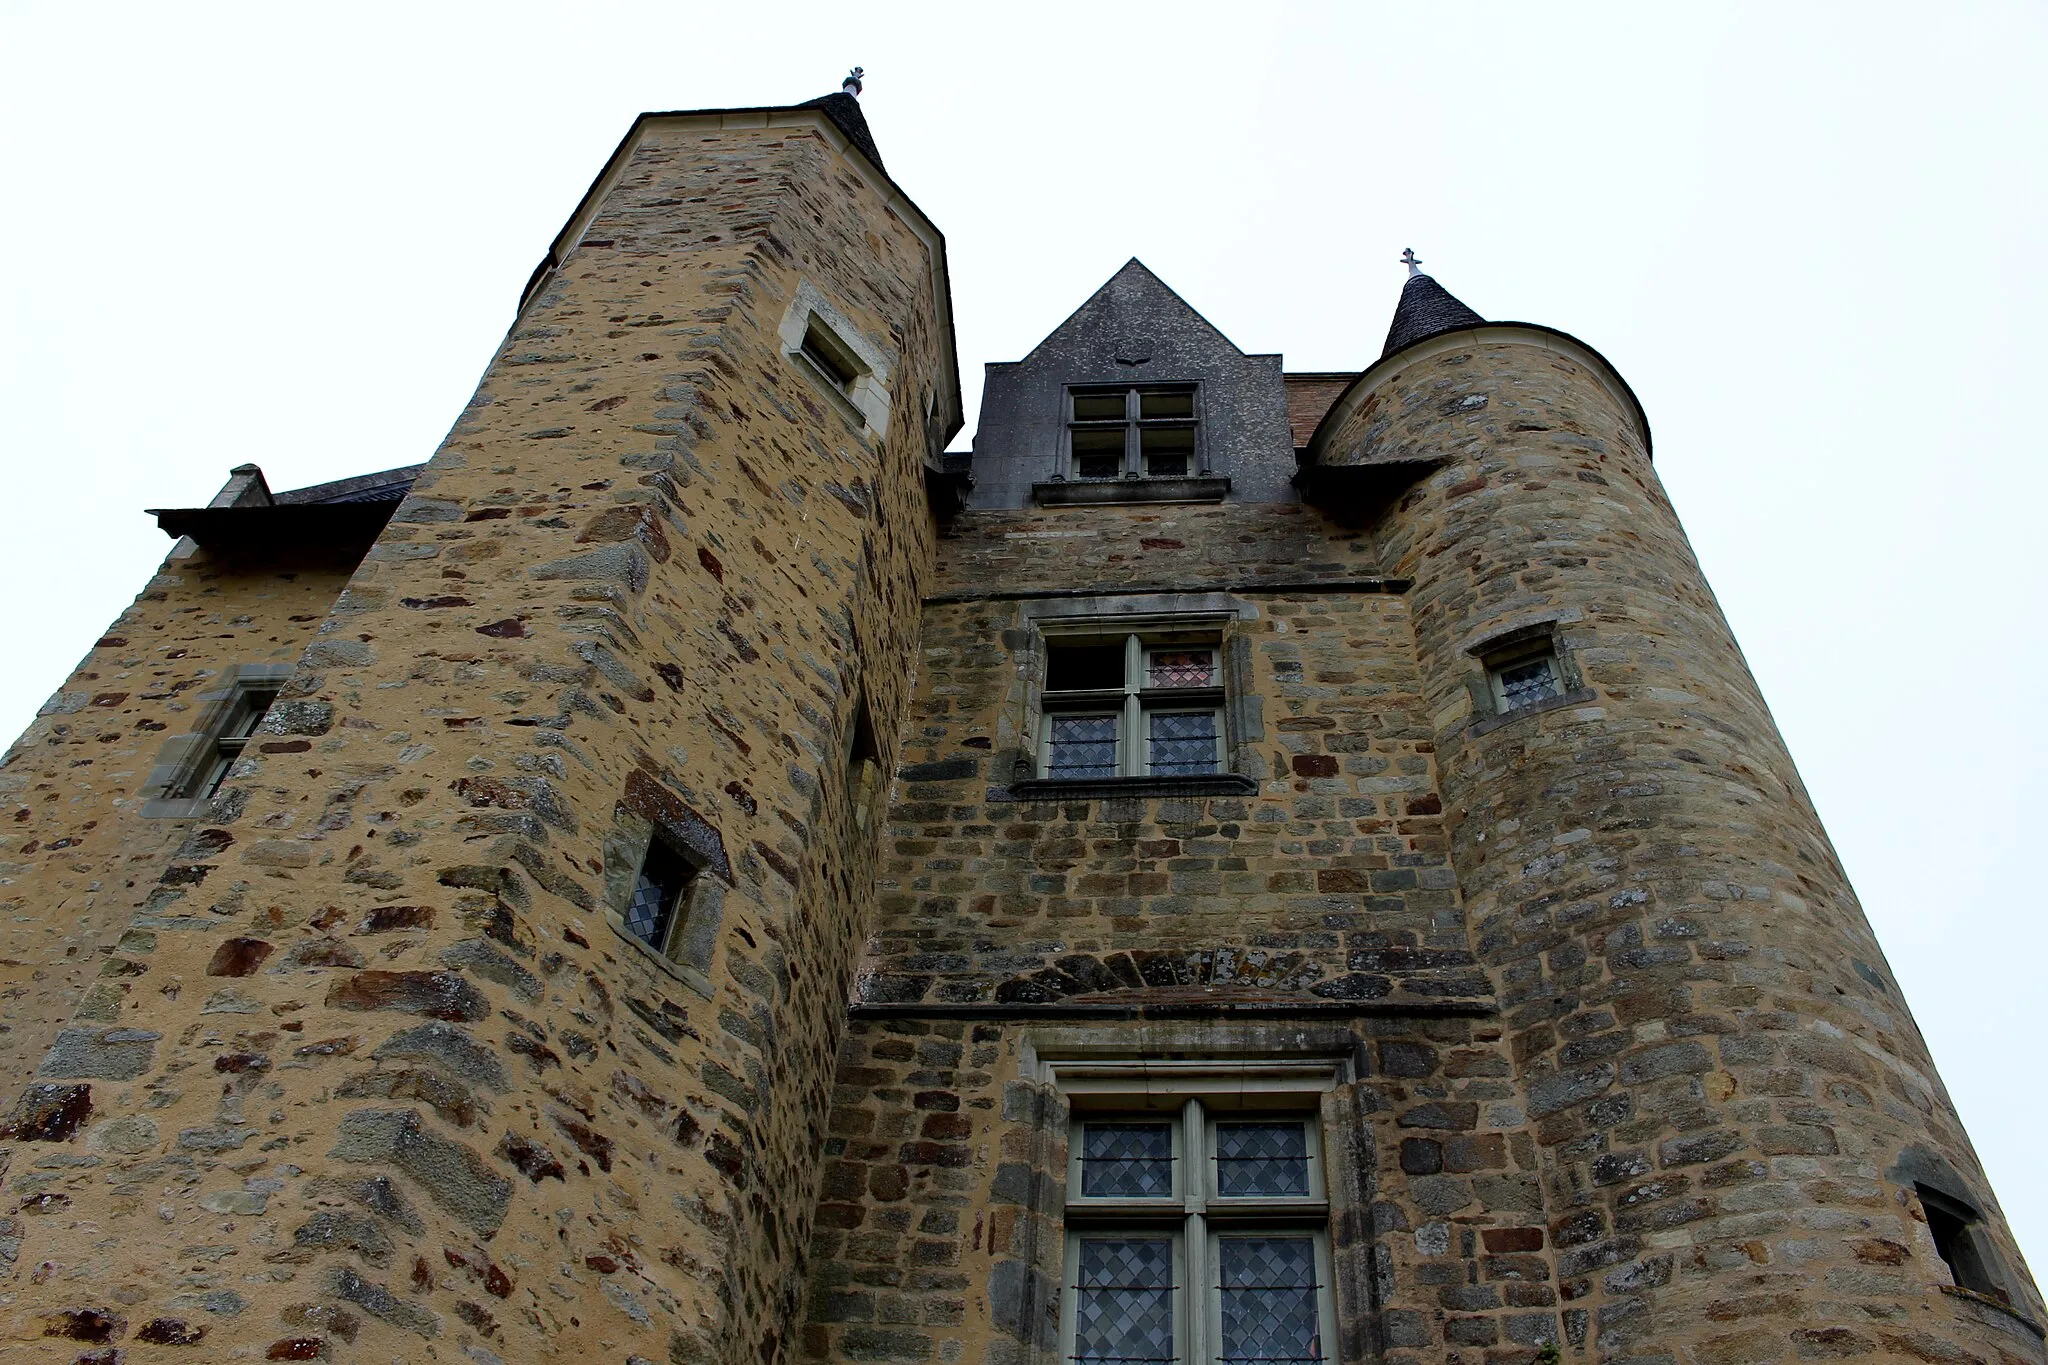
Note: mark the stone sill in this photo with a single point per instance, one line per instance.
(1073, 492)
(1991, 1301)
(1577, 697)
(176, 808)
(687, 975)
(1111, 788)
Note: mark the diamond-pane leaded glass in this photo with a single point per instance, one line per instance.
(1082, 746)
(1269, 1159)
(1183, 742)
(1124, 1301)
(1182, 668)
(1268, 1285)
(1528, 682)
(1127, 1160)
(656, 894)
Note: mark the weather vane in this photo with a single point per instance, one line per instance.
(852, 83)
(1411, 260)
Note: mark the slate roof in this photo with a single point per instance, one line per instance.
(844, 111)
(1426, 308)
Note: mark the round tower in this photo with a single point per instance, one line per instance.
(1743, 1142)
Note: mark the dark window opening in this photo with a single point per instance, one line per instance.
(863, 763)
(1084, 668)
(826, 352)
(237, 726)
(1958, 1233)
(660, 895)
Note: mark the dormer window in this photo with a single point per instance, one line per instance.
(1146, 432)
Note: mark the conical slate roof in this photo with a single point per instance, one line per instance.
(844, 110)
(1426, 308)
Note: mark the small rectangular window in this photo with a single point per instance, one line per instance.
(1525, 679)
(231, 734)
(1958, 1239)
(831, 357)
(661, 895)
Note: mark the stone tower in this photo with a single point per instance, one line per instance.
(1242, 866)
(371, 1061)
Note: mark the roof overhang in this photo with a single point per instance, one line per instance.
(777, 116)
(279, 528)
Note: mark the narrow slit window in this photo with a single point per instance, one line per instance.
(661, 895)
(237, 726)
(1957, 1230)
(826, 352)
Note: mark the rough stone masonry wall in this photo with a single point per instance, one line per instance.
(399, 1090)
(988, 898)
(77, 859)
(1719, 1072)
(1324, 895)
(939, 1234)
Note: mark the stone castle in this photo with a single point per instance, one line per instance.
(1244, 866)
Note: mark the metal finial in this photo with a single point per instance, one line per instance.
(852, 83)
(1411, 260)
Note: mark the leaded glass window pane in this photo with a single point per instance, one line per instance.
(1124, 1304)
(1127, 1160)
(1268, 1288)
(1183, 742)
(657, 894)
(1082, 746)
(1262, 1159)
(1182, 668)
(1166, 451)
(1099, 454)
(1529, 681)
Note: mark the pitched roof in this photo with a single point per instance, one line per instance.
(1426, 308)
(844, 111)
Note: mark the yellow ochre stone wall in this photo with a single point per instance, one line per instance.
(397, 1088)
(77, 859)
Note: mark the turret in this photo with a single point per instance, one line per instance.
(1742, 1138)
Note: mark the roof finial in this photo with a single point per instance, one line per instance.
(852, 83)
(1411, 260)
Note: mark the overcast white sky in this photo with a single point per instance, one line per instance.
(1809, 234)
